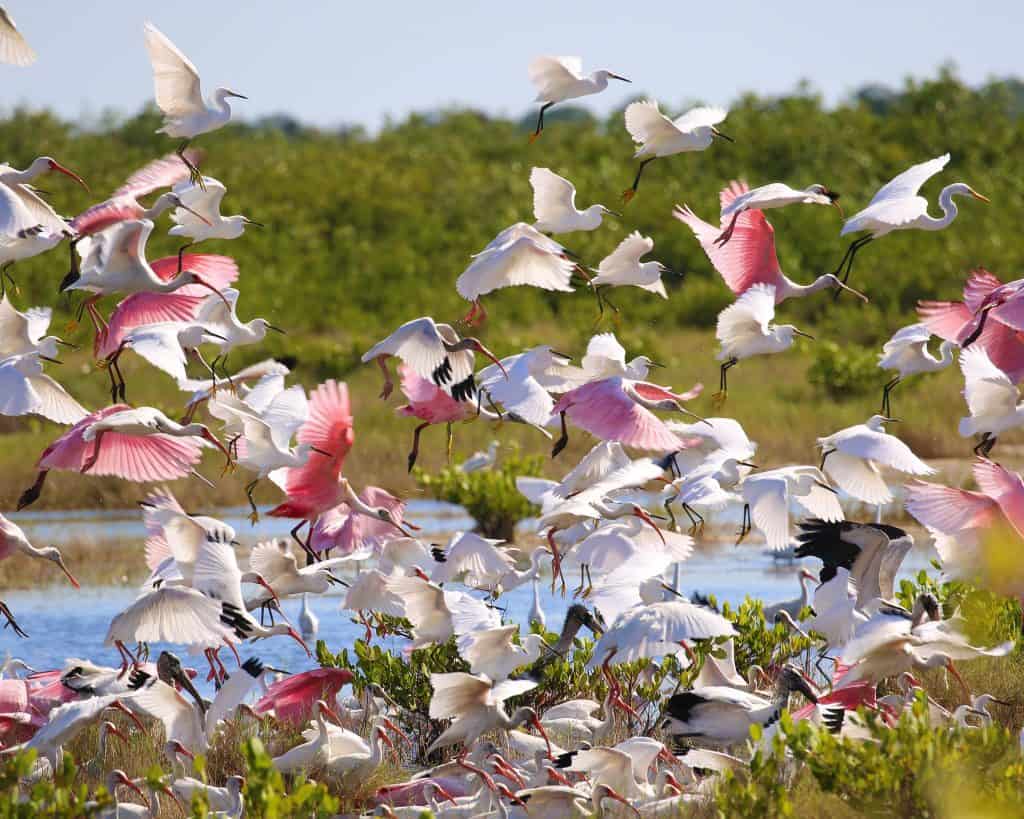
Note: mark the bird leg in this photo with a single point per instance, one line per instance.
(414, 453)
(451, 440)
(476, 315)
(303, 543)
(194, 175)
(6, 612)
(556, 562)
(590, 581)
(726, 234)
(31, 495)
(851, 251)
(560, 444)
(90, 462)
(696, 519)
(181, 255)
(629, 193)
(115, 368)
(366, 624)
(540, 122)
(254, 516)
(745, 526)
(723, 382)
(126, 658)
(824, 455)
(5, 277)
(889, 387)
(984, 446)
(580, 587)
(389, 385)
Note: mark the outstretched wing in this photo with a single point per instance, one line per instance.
(908, 183)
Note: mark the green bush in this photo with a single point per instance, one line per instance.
(843, 371)
(488, 495)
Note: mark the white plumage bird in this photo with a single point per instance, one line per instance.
(851, 457)
(179, 96)
(14, 49)
(561, 78)
(745, 329)
(993, 400)
(659, 136)
(774, 195)
(26, 390)
(897, 206)
(907, 353)
(769, 495)
(554, 205)
(623, 267)
(200, 218)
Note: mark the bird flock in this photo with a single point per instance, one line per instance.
(599, 522)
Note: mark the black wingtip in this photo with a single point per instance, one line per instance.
(253, 667)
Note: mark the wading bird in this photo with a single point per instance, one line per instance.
(558, 79)
(554, 205)
(623, 267)
(773, 195)
(907, 353)
(13, 539)
(14, 50)
(659, 136)
(897, 206)
(179, 97)
(993, 400)
(197, 216)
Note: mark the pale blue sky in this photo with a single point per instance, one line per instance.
(335, 62)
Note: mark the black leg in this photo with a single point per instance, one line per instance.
(116, 367)
(414, 453)
(886, 391)
(851, 252)
(30, 495)
(726, 234)
(181, 255)
(977, 330)
(254, 516)
(824, 454)
(540, 120)
(630, 192)
(563, 439)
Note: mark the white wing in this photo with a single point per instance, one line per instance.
(604, 356)
(908, 183)
(603, 459)
(646, 123)
(550, 74)
(233, 693)
(553, 195)
(217, 574)
(988, 390)
(857, 477)
(456, 693)
(418, 343)
(13, 48)
(885, 449)
(175, 79)
(746, 319)
(170, 614)
(525, 261)
(286, 413)
(181, 719)
(769, 507)
(626, 256)
(18, 332)
(159, 345)
(54, 402)
(521, 394)
(700, 118)
(272, 559)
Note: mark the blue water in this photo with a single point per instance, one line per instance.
(64, 623)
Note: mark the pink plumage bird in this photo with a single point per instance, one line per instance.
(135, 444)
(619, 409)
(292, 699)
(749, 257)
(346, 530)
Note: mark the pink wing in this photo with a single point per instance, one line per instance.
(427, 401)
(329, 427)
(130, 457)
(104, 215)
(148, 308)
(748, 258)
(1005, 347)
(217, 271)
(1007, 488)
(979, 285)
(652, 392)
(1011, 311)
(948, 510)
(292, 698)
(946, 319)
(735, 188)
(604, 410)
(165, 172)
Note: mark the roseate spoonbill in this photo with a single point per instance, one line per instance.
(993, 400)
(353, 532)
(768, 499)
(519, 255)
(772, 195)
(619, 409)
(292, 699)
(14, 50)
(871, 552)
(483, 459)
(493, 653)
(21, 206)
(962, 522)
(797, 604)
(656, 629)
(907, 353)
(558, 79)
(851, 457)
(315, 752)
(437, 614)
(135, 444)
(434, 352)
(26, 389)
(745, 329)
(228, 799)
(659, 136)
(554, 205)
(13, 539)
(623, 267)
(897, 206)
(179, 97)
(966, 322)
(476, 706)
(725, 715)
(198, 217)
(751, 257)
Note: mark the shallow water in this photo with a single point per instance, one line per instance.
(64, 623)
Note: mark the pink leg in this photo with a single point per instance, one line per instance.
(91, 461)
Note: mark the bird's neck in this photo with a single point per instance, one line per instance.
(949, 211)
(825, 282)
(220, 100)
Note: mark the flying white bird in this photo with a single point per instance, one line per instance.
(897, 206)
(745, 329)
(851, 457)
(198, 215)
(561, 78)
(14, 50)
(659, 136)
(907, 353)
(485, 458)
(218, 314)
(768, 497)
(179, 97)
(494, 653)
(25, 389)
(774, 195)
(554, 205)
(623, 267)
(993, 400)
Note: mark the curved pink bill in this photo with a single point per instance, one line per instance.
(56, 166)
(485, 352)
(268, 587)
(392, 727)
(71, 577)
(295, 636)
(535, 722)
(120, 706)
(617, 700)
(209, 436)
(646, 518)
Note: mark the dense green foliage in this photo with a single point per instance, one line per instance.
(488, 495)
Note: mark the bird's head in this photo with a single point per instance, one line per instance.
(786, 332)
(526, 716)
(47, 164)
(610, 75)
(504, 791)
(321, 707)
(251, 222)
(108, 729)
(53, 553)
(962, 189)
(260, 580)
(638, 511)
(203, 431)
(266, 325)
(604, 791)
(174, 748)
(878, 422)
(602, 210)
(792, 679)
(119, 777)
(821, 195)
(227, 93)
(477, 346)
